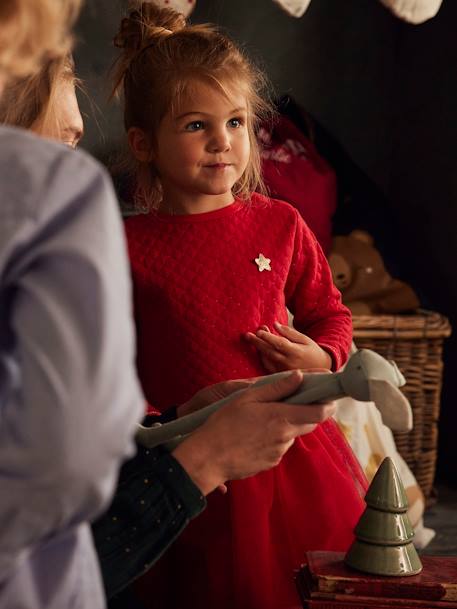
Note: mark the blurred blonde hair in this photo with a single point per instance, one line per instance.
(29, 102)
(161, 59)
(32, 31)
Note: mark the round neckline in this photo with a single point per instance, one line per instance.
(214, 214)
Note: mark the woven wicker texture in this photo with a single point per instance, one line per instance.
(415, 342)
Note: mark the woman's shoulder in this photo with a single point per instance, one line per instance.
(22, 148)
(32, 167)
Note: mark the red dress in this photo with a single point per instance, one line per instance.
(197, 290)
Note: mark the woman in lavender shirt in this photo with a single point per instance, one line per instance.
(66, 348)
(69, 396)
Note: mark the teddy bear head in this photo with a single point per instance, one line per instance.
(365, 284)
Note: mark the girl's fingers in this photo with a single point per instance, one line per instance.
(268, 364)
(292, 334)
(257, 342)
(276, 357)
(281, 344)
(276, 352)
(263, 346)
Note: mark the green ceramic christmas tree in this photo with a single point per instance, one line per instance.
(384, 534)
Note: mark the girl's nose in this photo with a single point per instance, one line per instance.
(219, 142)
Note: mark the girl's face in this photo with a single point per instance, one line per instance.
(202, 150)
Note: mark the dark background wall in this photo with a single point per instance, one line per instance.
(385, 89)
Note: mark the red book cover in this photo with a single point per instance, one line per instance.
(319, 603)
(436, 582)
(311, 597)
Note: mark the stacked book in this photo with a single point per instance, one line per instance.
(325, 582)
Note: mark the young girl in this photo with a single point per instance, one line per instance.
(214, 266)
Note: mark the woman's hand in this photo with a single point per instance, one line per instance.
(249, 434)
(289, 351)
(212, 394)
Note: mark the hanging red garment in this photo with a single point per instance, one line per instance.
(294, 171)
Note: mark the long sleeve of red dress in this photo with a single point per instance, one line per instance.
(314, 300)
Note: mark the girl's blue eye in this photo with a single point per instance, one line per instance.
(194, 126)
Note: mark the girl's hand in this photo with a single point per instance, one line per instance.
(290, 350)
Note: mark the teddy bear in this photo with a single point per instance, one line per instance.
(366, 286)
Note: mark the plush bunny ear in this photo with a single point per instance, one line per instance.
(296, 8)
(413, 11)
(182, 6)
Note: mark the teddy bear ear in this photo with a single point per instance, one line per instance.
(341, 270)
(362, 235)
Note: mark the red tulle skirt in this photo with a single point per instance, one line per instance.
(241, 552)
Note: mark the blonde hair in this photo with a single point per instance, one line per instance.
(161, 58)
(29, 102)
(32, 31)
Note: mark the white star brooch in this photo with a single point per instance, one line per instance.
(263, 263)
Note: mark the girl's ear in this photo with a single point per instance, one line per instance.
(140, 145)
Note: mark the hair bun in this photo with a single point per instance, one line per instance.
(146, 23)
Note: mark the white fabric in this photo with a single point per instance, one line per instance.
(295, 8)
(372, 441)
(413, 11)
(182, 6)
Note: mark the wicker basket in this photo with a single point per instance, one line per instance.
(415, 342)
